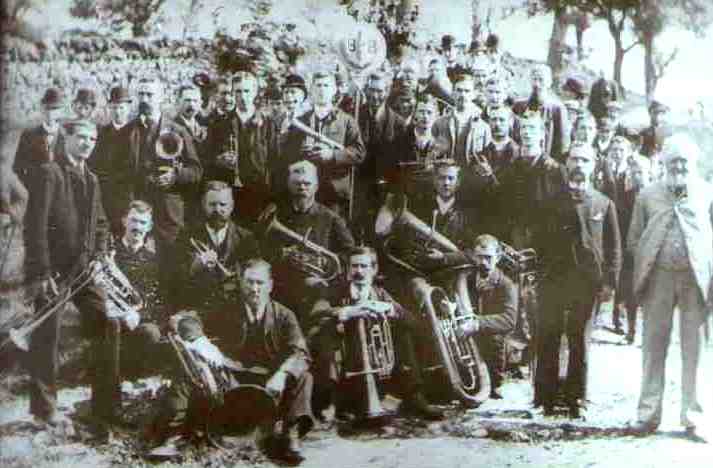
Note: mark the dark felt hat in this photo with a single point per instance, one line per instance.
(576, 86)
(657, 106)
(119, 94)
(447, 41)
(53, 98)
(295, 81)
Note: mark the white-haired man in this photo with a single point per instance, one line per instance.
(671, 238)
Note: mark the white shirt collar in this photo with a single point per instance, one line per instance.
(217, 236)
(358, 295)
(132, 248)
(444, 205)
(245, 116)
(51, 130)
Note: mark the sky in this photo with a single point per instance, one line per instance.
(688, 80)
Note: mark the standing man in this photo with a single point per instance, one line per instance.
(109, 149)
(66, 229)
(39, 144)
(189, 105)
(579, 243)
(85, 103)
(334, 163)
(671, 238)
(238, 150)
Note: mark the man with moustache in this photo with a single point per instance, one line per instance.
(261, 343)
(552, 112)
(302, 214)
(211, 253)
(360, 298)
(294, 93)
(579, 243)
(653, 136)
(502, 150)
(495, 299)
(238, 150)
(85, 104)
(495, 96)
(671, 239)
(66, 230)
(166, 185)
(335, 164)
(224, 102)
(109, 148)
(39, 144)
(189, 105)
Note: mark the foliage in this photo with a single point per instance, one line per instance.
(118, 14)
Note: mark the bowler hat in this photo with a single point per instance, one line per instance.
(119, 94)
(295, 81)
(53, 98)
(576, 86)
(447, 41)
(86, 96)
(657, 106)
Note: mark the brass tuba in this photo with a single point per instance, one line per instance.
(169, 146)
(122, 298)
(304, 255)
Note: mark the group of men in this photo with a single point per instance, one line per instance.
(264, 234)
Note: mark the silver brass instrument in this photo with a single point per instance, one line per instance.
(200, 248)
(122, 298)
(233, 150)
(298, 125)
(521, 264)
(211, 382)
(169, 146)
(389, 218)
(305, 255)
(376, 358)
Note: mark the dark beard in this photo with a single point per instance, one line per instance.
(217, 220)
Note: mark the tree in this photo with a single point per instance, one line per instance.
(12, 19)
(119, 13)
(652, 17)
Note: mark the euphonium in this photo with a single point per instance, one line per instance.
(465, 368)
(305, 255)
(374, 356)
(122, 298)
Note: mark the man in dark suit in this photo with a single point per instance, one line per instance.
(211, 252)
(165, 183)
(66, 229)
(110, 148)
(579, 242)
(237, 150)
(653, 136)
(39, 144)
(189, 102)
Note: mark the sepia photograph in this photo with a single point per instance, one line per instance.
(356, 233)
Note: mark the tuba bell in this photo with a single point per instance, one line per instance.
(169, 146)
(304, 255)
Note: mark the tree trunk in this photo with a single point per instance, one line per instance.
(618, 60)
(559, 32)
(649, 67)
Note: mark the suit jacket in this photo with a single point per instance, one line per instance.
(379, 139)
(65, 224)
(198, 133)
(580, 237)
(478, 137)
(33, 151)
(107, 158)
(495, 301)
(655, 209)
(133, 163)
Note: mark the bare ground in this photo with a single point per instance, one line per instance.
(504, 433)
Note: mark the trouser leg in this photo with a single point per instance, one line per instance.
(658, 303)
(549, 337)
(578, 332)
(42, 362)
(692, 319)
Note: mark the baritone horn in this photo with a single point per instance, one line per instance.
(304, 255)
(123, 300)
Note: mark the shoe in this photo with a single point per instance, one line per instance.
(548, 410)
(618, 330)
(495, 395)
(641, 428)
(630, 338)
(417, 405)
(282, 449)
(576, 412)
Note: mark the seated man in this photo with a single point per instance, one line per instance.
(360, 298)
(283, 358)
(494, 297)
(301, 273)
(211, 251)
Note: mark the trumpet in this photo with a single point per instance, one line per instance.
(233, 151)
(305, 255)
(201, 248)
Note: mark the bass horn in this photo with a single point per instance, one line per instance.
(169, 146)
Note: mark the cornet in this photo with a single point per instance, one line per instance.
(201, 249)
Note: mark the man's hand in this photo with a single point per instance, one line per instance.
(207, 351)
(208, 258)
(131, 319)
(48, 288)
(468, 328)
(320, 154)
(276, 385)
(227, 160)
(167, 179)
(434, 254)
(315, 282)
(606, 293)
(482, 166)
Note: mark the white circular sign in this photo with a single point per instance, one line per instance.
(362, 48)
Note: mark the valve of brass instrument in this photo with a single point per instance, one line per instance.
(230, 160)
(318, 152)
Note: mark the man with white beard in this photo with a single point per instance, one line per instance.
(671, 238)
